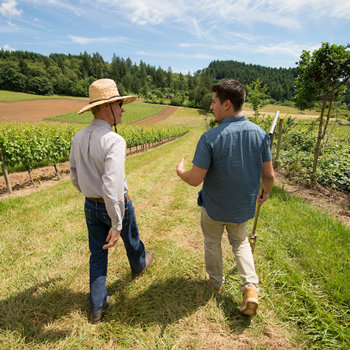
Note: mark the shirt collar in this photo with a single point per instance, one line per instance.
(101, 122)
(234, 118)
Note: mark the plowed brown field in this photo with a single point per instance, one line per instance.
(35, 111)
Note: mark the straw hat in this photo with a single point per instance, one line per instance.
(105, 91)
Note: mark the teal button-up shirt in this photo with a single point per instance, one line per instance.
(233, 153)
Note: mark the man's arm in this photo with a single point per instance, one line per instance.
(267, 181)
(193, 177)
(73, 170)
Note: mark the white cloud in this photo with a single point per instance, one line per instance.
(204, 13)
(8, 48)
(147, 12)
(8, 8)
(84, 41)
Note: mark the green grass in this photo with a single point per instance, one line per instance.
(133, 112)
(305, 268)
(11, 96)
(285, 109)
(302, 259)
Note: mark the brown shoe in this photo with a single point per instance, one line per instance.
(149, 261)
(96, 318)
(216, 290)
(250, 302)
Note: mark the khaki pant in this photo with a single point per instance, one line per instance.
(237, 235)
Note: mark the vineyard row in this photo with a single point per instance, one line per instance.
(29, 144)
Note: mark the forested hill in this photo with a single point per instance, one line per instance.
(63, 74)
(280, 81)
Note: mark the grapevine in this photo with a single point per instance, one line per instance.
(25, 144)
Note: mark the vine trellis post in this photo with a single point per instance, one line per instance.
(6, 175)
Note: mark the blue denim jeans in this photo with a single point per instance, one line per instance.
(98, 224)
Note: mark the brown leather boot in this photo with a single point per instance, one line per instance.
(250, 302)
(216, 290)
(149, 261)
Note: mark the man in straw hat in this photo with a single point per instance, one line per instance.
(230, 160)
(97, 170)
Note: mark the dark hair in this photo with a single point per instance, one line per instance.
(231, 90)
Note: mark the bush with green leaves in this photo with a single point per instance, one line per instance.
(297, 150)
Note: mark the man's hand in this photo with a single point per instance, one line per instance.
(261, 200)
(193, 177)
(112, 239)
(180, 168)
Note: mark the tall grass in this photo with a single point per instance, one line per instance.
(302, 258)
(305, 267)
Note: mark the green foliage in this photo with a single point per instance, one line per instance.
(298, 146)
(212, 123)
(281, 81)
(72, 75)
(257, 97)
(140, 135)
(29, 144)
(322, 76)
(207, 101)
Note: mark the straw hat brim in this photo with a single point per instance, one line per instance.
(126, 99)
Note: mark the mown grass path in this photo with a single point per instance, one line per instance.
(44, 270)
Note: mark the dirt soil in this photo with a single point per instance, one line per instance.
(158, 117)
(35, 111)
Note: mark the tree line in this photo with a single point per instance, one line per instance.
(64, 74)
(71, 75)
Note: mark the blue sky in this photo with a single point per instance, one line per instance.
(185, 35)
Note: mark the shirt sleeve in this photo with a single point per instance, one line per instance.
(203, 155)
(267, 155)
(73, 169)
(113, 182)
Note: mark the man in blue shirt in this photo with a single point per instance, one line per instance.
(230, 159)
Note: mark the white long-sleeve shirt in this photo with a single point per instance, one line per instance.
(97, 169)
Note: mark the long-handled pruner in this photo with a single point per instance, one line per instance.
(253, 236)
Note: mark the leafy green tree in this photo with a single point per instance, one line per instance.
(191, 82)
(160, 78)
(322, 76)
(85, 65)
(143, 73)
(169, 77)
(40, 86)
(206, 101)
(127, 81)
(257, 96)
(182, 82)
(11, 79)
(114, 68)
